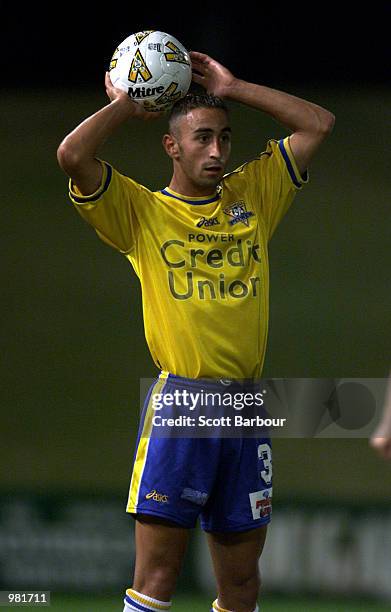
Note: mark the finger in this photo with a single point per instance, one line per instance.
(201, 57)
(197, 72)
(198, 78)
(200, 66)
(197, 62)
(201, 69)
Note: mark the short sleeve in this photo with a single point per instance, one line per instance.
(274, 180)
(112, 209)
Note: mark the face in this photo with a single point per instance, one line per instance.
(200, 147)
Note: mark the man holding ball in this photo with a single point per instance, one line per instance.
(205, 312)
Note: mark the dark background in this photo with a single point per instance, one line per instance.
(73, 349)
(70, 44)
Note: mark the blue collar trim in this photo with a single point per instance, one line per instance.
(197, 203)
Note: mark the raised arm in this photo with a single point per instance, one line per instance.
(77, 152)
(308, 122)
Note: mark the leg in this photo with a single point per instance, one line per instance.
(160, 548)
(164, 469)
(235, 559)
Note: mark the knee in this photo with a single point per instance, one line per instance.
(158, 582)
(247, 588)
(241, 591)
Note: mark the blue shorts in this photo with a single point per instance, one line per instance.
(226, 481)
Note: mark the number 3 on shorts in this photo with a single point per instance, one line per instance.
(265, 454)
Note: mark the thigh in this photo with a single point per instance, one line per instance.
(160, 549)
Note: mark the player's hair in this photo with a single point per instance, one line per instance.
(192, 101)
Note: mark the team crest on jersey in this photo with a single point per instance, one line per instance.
(239, 213)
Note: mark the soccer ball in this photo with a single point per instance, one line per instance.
(153, 68)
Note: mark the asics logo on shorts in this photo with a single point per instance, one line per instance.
(158, 497)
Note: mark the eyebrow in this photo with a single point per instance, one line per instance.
(209, 130)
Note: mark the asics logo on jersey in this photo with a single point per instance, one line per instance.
(158, 497)
(239, 213)
(208, 222)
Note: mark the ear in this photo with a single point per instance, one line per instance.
(171, 146)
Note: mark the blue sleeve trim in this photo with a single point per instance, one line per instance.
(95, 196)
(288, 164)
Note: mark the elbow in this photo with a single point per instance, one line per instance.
(326, 123)
(67, 157)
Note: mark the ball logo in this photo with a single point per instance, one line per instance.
(141, 35)
(145, 92)
(175, 54)
(114, 59)
(157, 497)
(139, 70)
(170, 95)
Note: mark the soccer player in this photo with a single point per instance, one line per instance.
(199, 248)
(381, 438)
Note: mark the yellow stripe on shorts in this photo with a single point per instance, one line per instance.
(142, 449)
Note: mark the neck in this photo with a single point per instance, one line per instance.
(183, 185)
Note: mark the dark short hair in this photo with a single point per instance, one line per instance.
(192, 101)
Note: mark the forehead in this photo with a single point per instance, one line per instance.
(215, 119)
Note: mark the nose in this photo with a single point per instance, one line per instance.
(215, 149)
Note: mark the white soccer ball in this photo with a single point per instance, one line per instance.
(153, 67)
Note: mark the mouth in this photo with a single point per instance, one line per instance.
(213, 168)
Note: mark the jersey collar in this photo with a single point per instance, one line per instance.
(188, 199)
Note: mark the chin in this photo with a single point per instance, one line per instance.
(210, 182)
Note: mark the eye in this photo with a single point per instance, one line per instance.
(203, 138)
(226, 138)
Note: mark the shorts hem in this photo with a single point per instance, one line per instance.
(166, 515)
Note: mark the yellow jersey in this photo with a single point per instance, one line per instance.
(202, 262)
